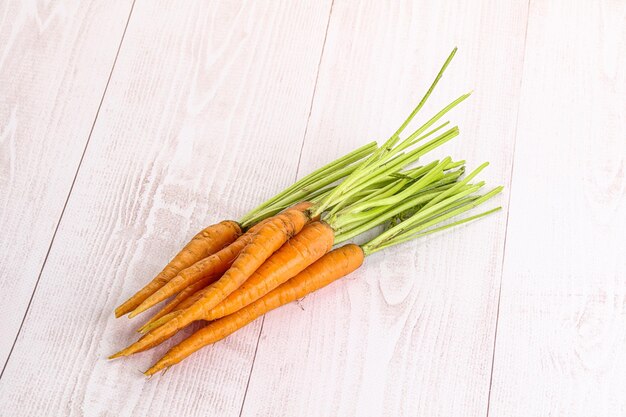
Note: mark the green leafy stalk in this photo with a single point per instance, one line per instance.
(379, 216)
(434, 174)
(380, 170)
(389, 152)
(309, 184)
(353, 216)
(350, 225)
(425, 218)
(416, 235)
(427, 95)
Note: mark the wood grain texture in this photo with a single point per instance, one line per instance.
(412, 332)
(204, 117)
(561, 333)
(55, 60)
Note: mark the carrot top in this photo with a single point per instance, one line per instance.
(366, 169)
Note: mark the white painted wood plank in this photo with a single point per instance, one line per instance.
(204, 117)
(412, 332)
(55, 60)
(562, 323)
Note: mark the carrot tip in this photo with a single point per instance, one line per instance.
(124, 352)
(150, 372)
(117, 355)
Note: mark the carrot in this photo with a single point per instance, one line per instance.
(258, 286)
(270, 237)
(188, 302)
(310, 244)
(376, 190)
(329, 268)
(179, 302)
(306, 247)
(158, 322)
(378, 163)
(203, 244)
(211, 266)
(302, 206)
(214, 265)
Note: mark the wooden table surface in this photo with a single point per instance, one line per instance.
(127, 125)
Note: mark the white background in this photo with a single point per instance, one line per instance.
(126, 126)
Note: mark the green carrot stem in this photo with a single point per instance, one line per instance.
(387, 153)
(339, 163)
(302, 194)
(457, 186)
(369, 250)
(428, 93)
(364, 202)
(383, 154)
(414, 137)
(378, 187)
(456, 164)
(387, 147)
(425, 213)
(280, 206)
(433, 175)
(313, 178)
(410, 176)
(451, 206)
(378, 216)
(348, 222)
(376, 172)
(413, 224)
(362, 171)
(438, 186)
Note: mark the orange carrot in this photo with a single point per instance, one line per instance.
(153, 324)
(187, 302)
(330, 267)
(203, 244)
(180, 301)
(214, 265)
(211, 266)
(310, 244)
(302, 206)
(270, 237)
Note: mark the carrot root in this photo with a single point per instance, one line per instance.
(270, 237)
(329, 268)
(315, 240)
(180, 298)
(212, 266)
(206, 242)
(148, 327)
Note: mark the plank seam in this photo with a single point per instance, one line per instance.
(319, 65)
(56, 228)
(508, 206)
(306, 129)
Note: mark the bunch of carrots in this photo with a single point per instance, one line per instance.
(233, 272)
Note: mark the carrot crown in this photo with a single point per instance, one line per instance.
(375, 186)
